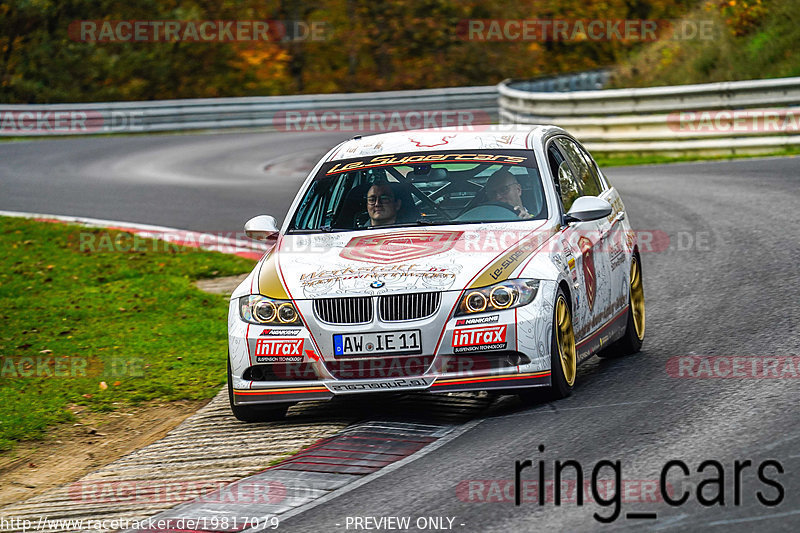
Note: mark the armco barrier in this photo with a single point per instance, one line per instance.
(716, 118)
(266, 112)
(477, 104)
(580, 81)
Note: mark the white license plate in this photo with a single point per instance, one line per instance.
(406, 342)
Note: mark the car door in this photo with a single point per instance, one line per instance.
(615, 238)
(582, 241)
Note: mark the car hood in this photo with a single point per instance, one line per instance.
(399, 260)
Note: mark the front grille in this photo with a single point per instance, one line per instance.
(353, 310)
(398, 307)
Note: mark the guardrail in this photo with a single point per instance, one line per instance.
(268, 112)
(730, 117)
(580, 81)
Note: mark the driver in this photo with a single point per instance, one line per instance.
(382, 206)
(503, 187)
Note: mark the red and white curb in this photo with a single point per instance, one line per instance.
(325, 470)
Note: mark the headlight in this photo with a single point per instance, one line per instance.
(258, 309)
(505, 295)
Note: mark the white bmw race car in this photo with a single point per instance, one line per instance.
(438, 261)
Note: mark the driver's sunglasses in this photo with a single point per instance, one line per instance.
(384, 199)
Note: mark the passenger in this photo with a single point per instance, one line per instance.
(503, 187)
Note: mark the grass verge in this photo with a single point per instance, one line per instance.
(102, 329)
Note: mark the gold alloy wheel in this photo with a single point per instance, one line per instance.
(565, 338)
(637, 298)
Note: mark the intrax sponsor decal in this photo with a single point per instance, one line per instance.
(479, 339)
(273, 347)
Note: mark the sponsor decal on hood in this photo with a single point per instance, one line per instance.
(396, 247)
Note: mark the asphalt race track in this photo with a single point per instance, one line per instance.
(726, 285)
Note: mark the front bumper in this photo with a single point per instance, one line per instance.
(278, 364)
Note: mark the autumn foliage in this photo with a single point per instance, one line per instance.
(368, 45)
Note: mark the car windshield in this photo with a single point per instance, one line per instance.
(423, 189)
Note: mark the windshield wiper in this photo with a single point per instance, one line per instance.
(321, 229)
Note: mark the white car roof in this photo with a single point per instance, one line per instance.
(503, 136)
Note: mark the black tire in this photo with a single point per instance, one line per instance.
(255, 413)
(632, 339)
(562, 375)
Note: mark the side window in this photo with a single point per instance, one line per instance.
(563, 177)
(307, 208)
(602, 183)
(334, 197)
(588, 183)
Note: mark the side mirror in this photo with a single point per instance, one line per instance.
(588, 208)
(262, 228)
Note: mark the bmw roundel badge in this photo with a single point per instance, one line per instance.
(377, 284)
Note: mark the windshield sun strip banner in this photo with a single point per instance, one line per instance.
(505, 157)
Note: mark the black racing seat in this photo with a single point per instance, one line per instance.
(408, 212)
(354, 208)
